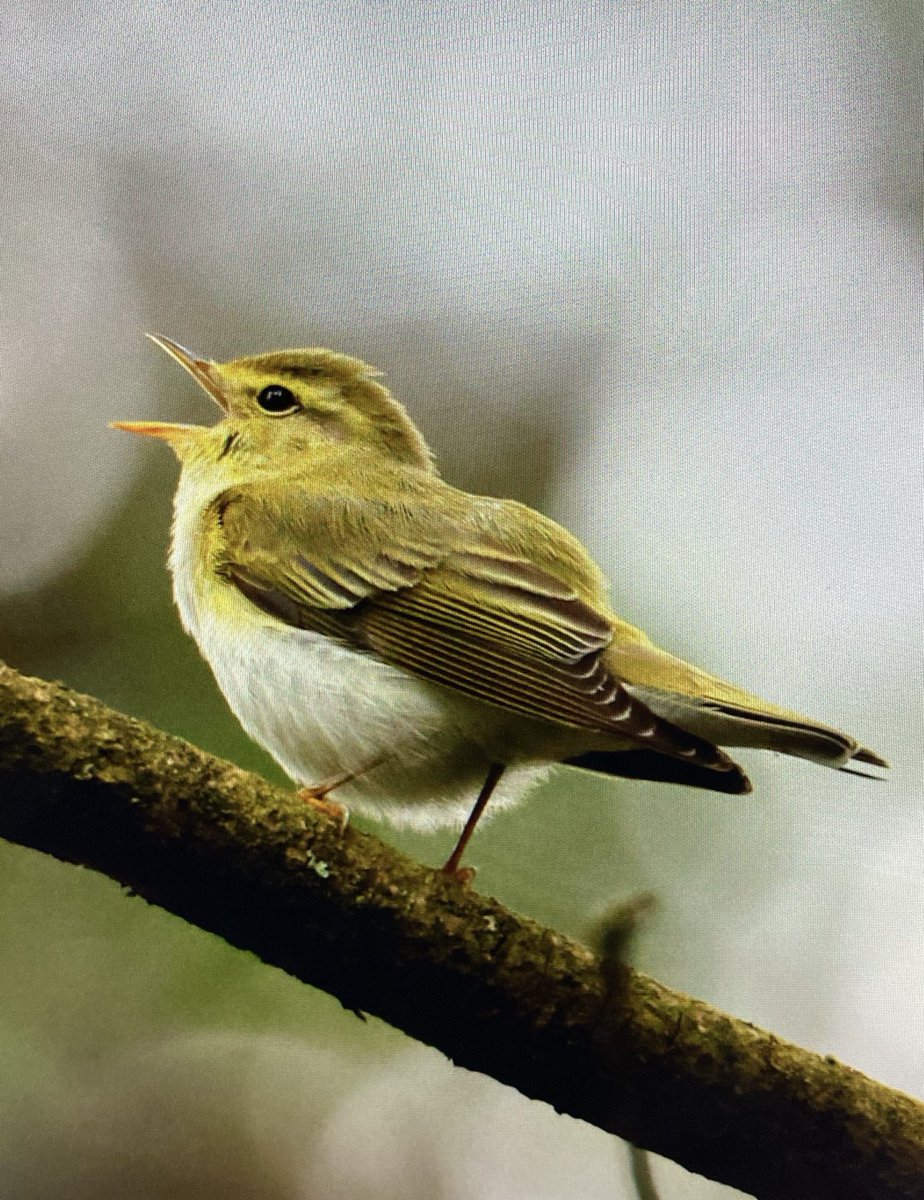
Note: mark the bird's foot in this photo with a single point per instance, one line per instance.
(463, 876)
(317, 797)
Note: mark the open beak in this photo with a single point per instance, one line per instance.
(204, 373)
(201, 369)
(158, 429)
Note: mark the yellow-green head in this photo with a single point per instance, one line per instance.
(282, 406)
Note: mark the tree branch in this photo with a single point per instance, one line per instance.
(494, 991)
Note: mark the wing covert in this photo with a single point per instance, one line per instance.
(433, 591)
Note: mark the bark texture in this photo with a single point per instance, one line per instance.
(494, 991)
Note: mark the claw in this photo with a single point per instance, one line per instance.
(463, 876)
(317, 798)
(316, 795)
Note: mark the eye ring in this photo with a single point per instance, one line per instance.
(277, 401)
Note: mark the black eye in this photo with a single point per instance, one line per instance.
(277, 399)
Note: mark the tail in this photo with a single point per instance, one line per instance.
(730, 724)
(648, 764)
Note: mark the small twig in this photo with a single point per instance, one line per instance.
(611, 937)
(494, 991)
(642, 1175)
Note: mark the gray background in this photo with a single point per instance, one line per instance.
(653, 268)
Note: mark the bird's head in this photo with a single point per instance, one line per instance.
(283, 406)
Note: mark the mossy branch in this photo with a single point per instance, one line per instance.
(494, 991)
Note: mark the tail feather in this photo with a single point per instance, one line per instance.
(728, 724)
(647, 764)
(864, 755)
(862, 774)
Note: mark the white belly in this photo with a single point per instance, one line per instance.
(322, 709)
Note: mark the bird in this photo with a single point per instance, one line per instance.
(408, 650)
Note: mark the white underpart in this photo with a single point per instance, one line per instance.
(322, 709)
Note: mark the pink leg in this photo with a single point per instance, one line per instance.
(451, 866)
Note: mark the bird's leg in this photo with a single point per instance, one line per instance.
(451, 866)
(316, 795)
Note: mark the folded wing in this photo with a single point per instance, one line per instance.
(447, 593)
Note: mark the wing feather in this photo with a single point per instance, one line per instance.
(449, 595)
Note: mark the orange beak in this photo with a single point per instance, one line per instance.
(158, 429)
(205, 374)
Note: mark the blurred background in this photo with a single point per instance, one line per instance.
(653, 268)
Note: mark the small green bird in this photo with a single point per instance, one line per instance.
(408, 645)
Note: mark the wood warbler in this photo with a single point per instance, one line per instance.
(407, 645)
